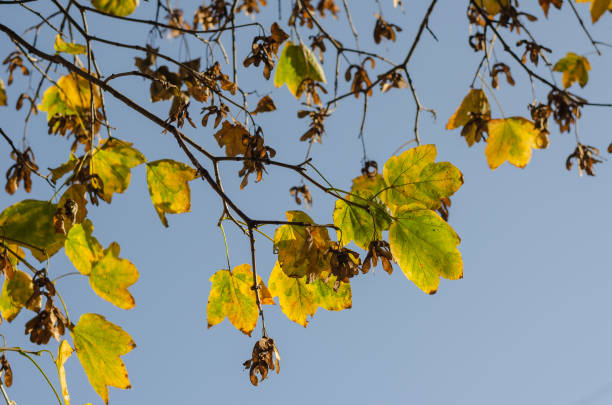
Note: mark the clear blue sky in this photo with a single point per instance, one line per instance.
(528, 324)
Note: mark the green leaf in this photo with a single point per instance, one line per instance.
(169, 188)
(63, 353)
(2, 93)
(16, 291)
(231, 296)
(99, 344)
(112, 161)
(575, 68)
(82, 248)
(414, 177)
(301, 249)
(111, 276)
(356, 223)
(116, 7)
(297, 63)
(29, 223)
(512, 139)
(298, 299)
(425, 247)
(68, 47)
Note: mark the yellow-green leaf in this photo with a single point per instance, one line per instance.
(116, 7)
(298, 299)
(297, 63)
(414, 177)
(71, 96)
(63, 353)
(111, 276)
(474, 104)
(29, 223)
(169, 187)
(512, 139)
(112, 161)
(76, 193)
(2, 93)
(82, 248)
(99, 344)
(301, 249)
(231, 296)
(425, 247)
(60, 171)
(575, 68)
(68, 47)
(15, 293)
(356, 223)
(231, 136)
(492, 7)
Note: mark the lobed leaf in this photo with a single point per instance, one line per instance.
(296, 64)
(116, 7)
(63, 353)
(70, 96)
(512, 139)
(68, 47)
(575, 69)
(231, 137)
(111, 276)
(2, 93)
(98, 344)
(356, 223)
(168, 183)
(16, 291)
(82, 248)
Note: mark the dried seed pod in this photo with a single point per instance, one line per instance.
(265, 357)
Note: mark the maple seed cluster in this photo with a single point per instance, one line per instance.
(48, 322)
(20, 171)
(265, 357)
(265, 48)
(5, 371)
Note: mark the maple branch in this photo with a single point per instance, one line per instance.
(255, 286)
(584, 28)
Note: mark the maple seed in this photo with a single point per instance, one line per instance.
(304, 192)
(5, 370)
(378, 249)
(265, 357)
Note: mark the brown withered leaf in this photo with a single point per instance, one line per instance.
(234, 137)
(545, 4)
(266, 104)
(587, 156)
(265, 357)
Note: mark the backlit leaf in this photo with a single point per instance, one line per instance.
(297, 63)
(168, 186)
(16, 291)
(60, 171)
(575, 68)
(598, 8)
(29, 223)
(116, 7)
(231, 296)
(298, 299)
(2, 93)
(112, 161)
(266, 104)
(99, 344)
(76, 193)
(414, 177)
(425, 247)
(82, 248)
(475, 102)
(71, 96)
(111, 276)
(301, 249)
(512, 139)
(231, 137)
(63, 353)
(492, 7)
(68, 47)
(356, 223)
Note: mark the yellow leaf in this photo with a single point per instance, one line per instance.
(169, 187)
(298, 299)
(231, 296)
(116, 7)
(301, 249)
(99, 344)
(111, 276)
(82, 248)
(15, 293)
(492, 7)
(575, 68)
(598, 8)
(76, 193)
(425, 247)
(512, 139)
(112, 161)
(475, 104)
(68, 47)
(413, 176)
(63, 353)
(231, 136)
(72, 95)
(2, 93)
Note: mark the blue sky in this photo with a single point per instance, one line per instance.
(528, 324)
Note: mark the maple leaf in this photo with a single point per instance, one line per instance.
(512, 139)
(545, 4)
(231, 296)
(425, 247)
(82, 248)
(110, 276)
(168, 182)
(16, 292)
(76, 194)
(29, 223)
(70, 96)
(98, 344)
(301, 249)
(116, 7)
(231, 136)
(298, 299)
(2, 93)
(472, 114)
(68, 47)
(575, 68)
(414, 177)
(492, 7)
(598, 8)
(266, 104)
(296, 64)
(112, 161)
(63, 353)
